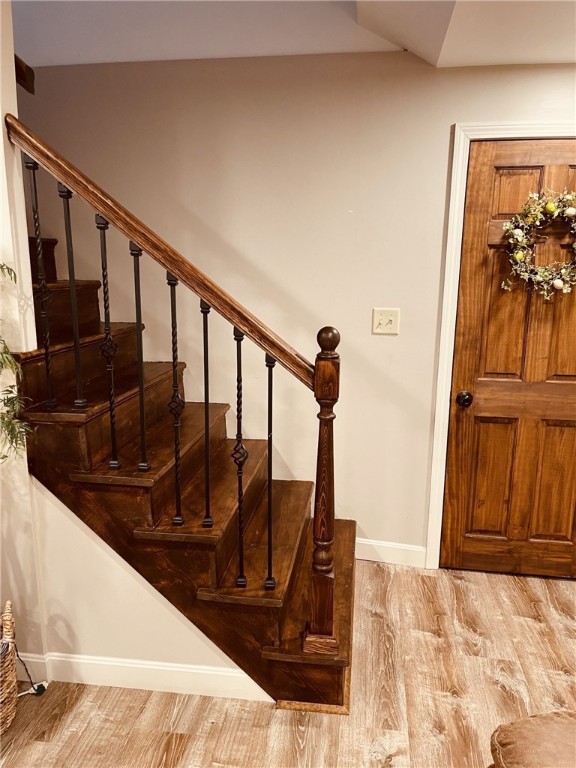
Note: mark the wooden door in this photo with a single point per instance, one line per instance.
(510, 494)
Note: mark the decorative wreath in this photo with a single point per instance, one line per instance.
(522, 230)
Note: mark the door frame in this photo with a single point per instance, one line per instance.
(462, 135)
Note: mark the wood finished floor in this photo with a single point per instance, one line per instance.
(441, 658)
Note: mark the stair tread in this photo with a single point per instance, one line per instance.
(290, 649)
(223, 497)
(63, 346)
(160, 450)
(291, 501)
(126, 386)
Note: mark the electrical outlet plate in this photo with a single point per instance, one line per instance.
(386, 321)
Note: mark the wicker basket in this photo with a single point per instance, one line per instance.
(8, 683)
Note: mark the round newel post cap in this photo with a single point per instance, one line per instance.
(328, 339)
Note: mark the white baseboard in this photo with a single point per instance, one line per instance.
(145, 675)
(391, 552)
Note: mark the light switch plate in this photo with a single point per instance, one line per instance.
(386, 321)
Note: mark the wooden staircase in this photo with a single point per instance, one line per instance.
(277, 636)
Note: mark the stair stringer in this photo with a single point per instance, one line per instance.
(241, 631)
(105, 624)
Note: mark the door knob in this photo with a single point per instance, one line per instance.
(464, 399)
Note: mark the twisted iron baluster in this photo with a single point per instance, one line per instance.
(108, 348)
(136, 252)
(239, 454)
(43, 292)
(270, 582)
(207, 522)
(176, 405)
(66, 195)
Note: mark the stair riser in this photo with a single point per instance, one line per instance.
(33, 383)
(313, 684)
(63, 444)
(60, 312)
(81, 446)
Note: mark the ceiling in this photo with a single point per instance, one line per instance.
(443, 33)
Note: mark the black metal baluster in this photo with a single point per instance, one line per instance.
(239, 454)
(270, 582)
(66, 195)
(43, 293)
(176, 404)
(207, 522)
(136, 252)
(108, 348)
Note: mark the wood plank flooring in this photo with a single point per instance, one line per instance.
(440, 659)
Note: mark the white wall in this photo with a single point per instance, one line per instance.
(313, 189)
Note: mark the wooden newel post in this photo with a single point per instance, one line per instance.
(319, 636)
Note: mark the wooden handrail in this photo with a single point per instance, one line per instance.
(160, 251)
